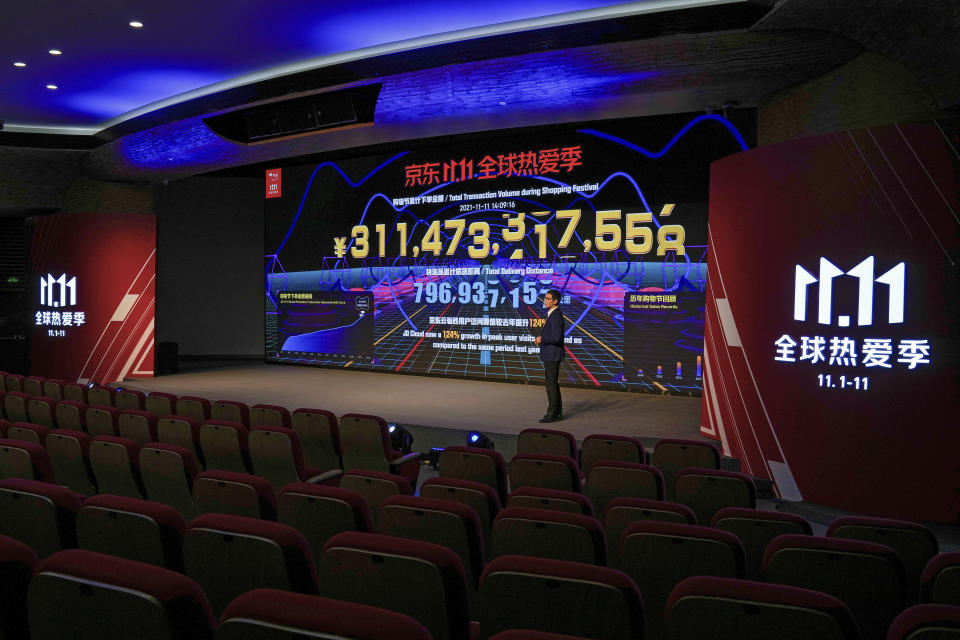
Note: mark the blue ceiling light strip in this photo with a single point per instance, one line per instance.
(658, 154)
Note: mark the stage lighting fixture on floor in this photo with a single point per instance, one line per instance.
(477, 439)
(400, 438)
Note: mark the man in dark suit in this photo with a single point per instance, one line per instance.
(551, 353)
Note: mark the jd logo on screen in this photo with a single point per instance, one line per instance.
(863, 272)
(58, 292)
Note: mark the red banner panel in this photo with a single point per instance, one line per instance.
(94, 296)
(833, 299)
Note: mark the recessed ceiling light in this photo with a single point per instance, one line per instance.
(136, 24)
(55, 52)
(52, 86)
(19, 64)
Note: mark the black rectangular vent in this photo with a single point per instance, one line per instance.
(13, 254)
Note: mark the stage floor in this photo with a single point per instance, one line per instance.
(425, 404)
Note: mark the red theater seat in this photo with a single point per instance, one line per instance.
(129, 400)
(548, 534)
(269, 415)
(33, 385)
(225, 446)
(609, 479)
(597, 447)
(230, 555)
(116, 466)
(268, 614)
(13, 382)
(53, 388)
(865, 576)
(17, 564)
(277, 456)
(672, 454)
(940, 581)
(375, 487)
(703, 608)
(139, 426)
(69, 453)
(476, 495)
(100, 395)
(756, 529)
(15, 406)
(181, 431)
(28, 432)
(366, 445)
(110, 597)
(544, 471)
(567, 598)
(41, 515)
(19, 459)
(193, 407)
(168, 474)
(231, 411)
(102, 420)
(42, 410)
(139, 530)
(239, 494)
(926, 622)
(422, 580)
(319, 433)
(548, 441)
(160, 404)
(706, 491)
(75, 392)
(485, 466)
(320, 512)
(71, 415)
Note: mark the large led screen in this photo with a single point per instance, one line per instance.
(434, 258)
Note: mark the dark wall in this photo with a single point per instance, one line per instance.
(210, 265)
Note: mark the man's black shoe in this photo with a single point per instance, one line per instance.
(553, 419)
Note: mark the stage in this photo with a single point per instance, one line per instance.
(438, 411)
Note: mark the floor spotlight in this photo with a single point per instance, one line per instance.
(400, 439)
(477, 439)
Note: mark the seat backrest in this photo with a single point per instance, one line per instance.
(193, 407)
(940, 580)
(102, 420)
(450, 524)
(42, 410)
(865, 576)
(319, 432)
(544, 471)
(39, 514)
(672, 454)
(168, 474)
(139, 530)
(366, 442)
(706, 491)
(17, 564)
(609, 479)
(116, 466)
(374, 486)
(485, 466)
(476, 495)
(914, 543)
(550, 441)
(129, 399)
(422, 580)
(225, 445)
(109, 597)
(239, 494)
(28, 432)
(276, 455)
(597, 447)
(15, 406)
(72, 415)
(231, 411)
(658, 555)
(75, 392)
(702, 608)
(160, 404)
(69, 453)
(33, 385)
(19, 459)
(926, 622)
(181, 431)
(139, 426)
(755, 529)
(230, 555)
(621, 512)
(99, 395)
(13, 382)
(551, 499)
(320, 512)
(53, 388)
(548, 534)
(560, 597)
(269, 415)
(269, 614)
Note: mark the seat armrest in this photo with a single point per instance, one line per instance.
(326, 477)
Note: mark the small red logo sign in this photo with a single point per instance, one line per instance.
(273, 183)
